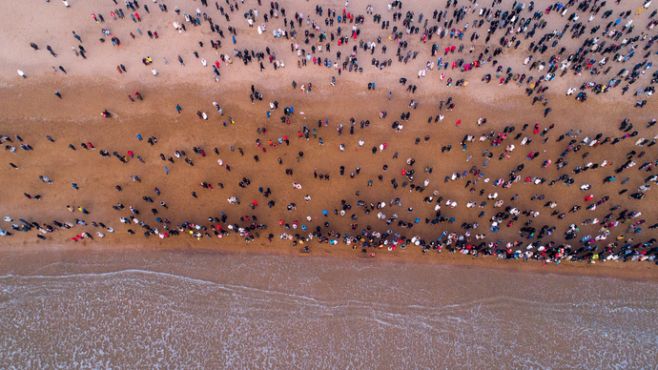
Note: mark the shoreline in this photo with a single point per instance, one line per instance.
(632, 271)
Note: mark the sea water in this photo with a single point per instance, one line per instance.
(210, 310)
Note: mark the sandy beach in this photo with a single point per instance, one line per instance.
(198, 164)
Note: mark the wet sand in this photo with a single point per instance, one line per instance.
(176, 133)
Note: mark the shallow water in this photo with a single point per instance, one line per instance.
(199, 309)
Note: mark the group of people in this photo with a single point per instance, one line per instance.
(505, 199)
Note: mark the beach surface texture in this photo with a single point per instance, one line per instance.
(328, 184)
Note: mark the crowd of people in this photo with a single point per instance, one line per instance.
(506, 199)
